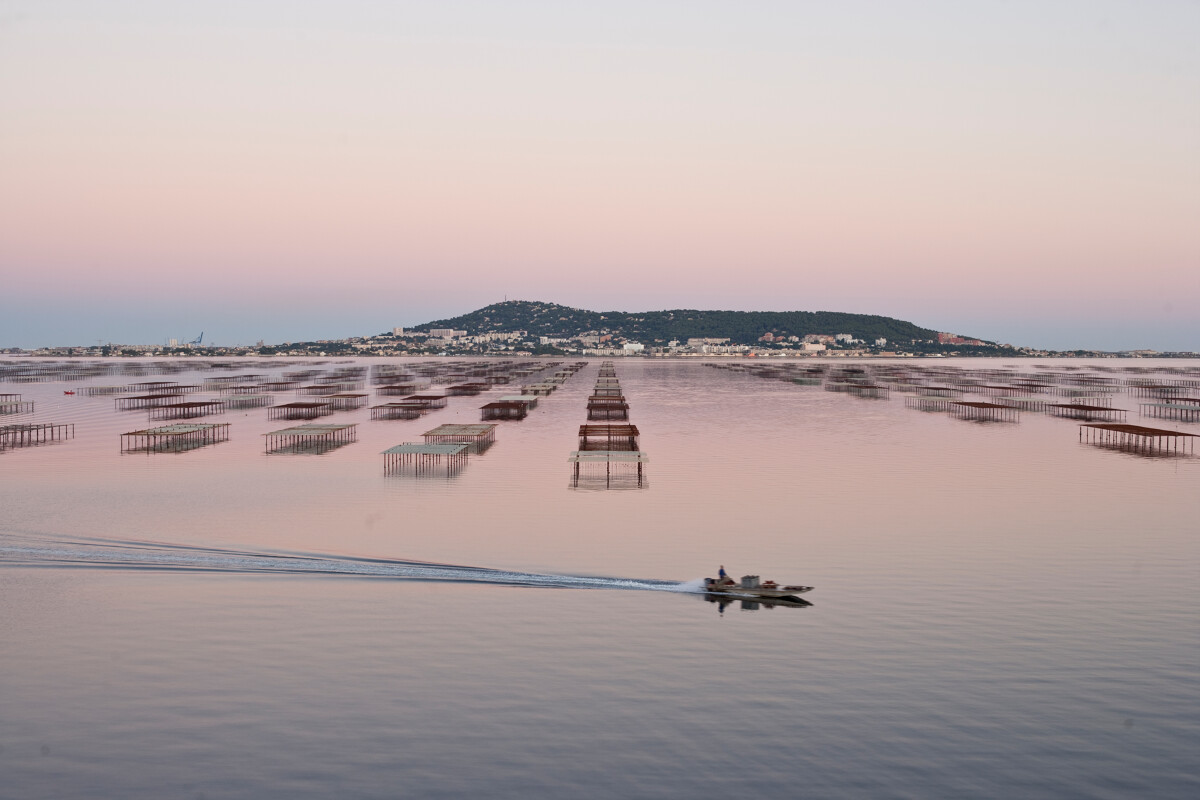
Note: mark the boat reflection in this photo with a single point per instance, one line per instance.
(746, 604)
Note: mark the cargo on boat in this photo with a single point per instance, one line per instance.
(751, 586)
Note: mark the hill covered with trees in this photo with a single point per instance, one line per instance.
(660, 327)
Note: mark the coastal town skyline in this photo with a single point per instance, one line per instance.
(1023, 173)
(521, 328)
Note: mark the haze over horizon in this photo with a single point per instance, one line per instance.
(1027, 173)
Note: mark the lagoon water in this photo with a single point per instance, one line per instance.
(999, 609)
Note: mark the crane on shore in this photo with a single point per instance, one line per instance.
(198, 339)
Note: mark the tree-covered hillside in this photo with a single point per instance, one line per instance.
(652, 327)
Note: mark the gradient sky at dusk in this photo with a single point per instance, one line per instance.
(1026, 172)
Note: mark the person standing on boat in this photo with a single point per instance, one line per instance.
(721, 576)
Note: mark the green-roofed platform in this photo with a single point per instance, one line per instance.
(419, 458)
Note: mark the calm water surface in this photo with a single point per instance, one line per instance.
(999, 609)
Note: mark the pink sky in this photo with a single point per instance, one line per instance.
(1022, 172)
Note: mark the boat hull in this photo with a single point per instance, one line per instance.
(769, 592)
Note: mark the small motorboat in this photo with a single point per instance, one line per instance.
(66, 392)
(751, 586)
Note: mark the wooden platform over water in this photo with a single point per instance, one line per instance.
(16, 406)
(143, 401)
(347, 401)
(530, 400)
(927, 403)
(176, 438)
(986, 412)
(478, 437)
(1086, 411)
(504, 410)
(398, 410)
(34, 433)
(198, 408)
(1185, 412)
(607, 408)
(1138, 437)
(314, 437)
(300, 410)
(609, 467)
(423, 458)
(615, 437)
(248, 401)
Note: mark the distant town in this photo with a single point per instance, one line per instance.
(523, 328)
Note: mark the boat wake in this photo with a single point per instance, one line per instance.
(84, 553)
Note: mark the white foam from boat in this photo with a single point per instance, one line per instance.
(115, 554)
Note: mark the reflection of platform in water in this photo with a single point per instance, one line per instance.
(608, 469)
(1138, 439)
(724, 602)
(312, 438)
(414, 458)
(177, 438)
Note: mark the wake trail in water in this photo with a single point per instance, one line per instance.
(135, 555)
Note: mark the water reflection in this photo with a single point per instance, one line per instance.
(305, 448)
(723, 603)
(443, 469)
(1139, 451)
(608, 469)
